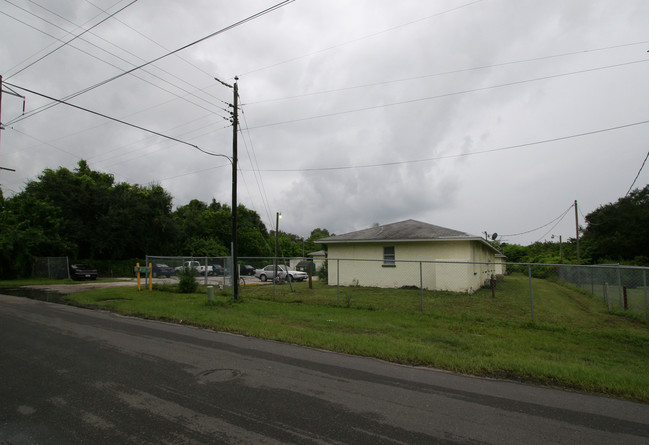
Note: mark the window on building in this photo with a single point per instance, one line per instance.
(388, 256)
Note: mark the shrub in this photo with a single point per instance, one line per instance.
(323, 272)
(186, 280)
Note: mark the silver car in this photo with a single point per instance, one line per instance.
(268, 273)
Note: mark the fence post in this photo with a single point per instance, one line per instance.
(205, 270)
(592, 281)
(338, 280)
(231, 260)
(421, 285)
(619, 284)
(644, 280)
(529, 274)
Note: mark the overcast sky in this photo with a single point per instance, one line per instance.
(481, 116)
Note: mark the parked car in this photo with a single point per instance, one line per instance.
(198, 267)
(80, 271)
(160, 269)
(245, 269)
(268, 272)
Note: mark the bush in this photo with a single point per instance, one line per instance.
(187, 280)
(323, 272)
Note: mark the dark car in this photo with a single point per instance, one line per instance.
(160, 269)
(245, 269)
(81, 271)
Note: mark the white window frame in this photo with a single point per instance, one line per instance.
(389, 257)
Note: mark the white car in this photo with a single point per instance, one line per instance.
(268, 273)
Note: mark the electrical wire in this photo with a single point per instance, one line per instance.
(156, 151)
(169, 178)
(444, 73)
(255, 167)
(222, 30)
(638, 175)
(421, 19)
(96, 113)
(178, 78)
(544, 225)
(43, 32)
(42, 142)
(440, 96)
(155, 42)
(190, 93)
(71, 40)
(553, 227)
(461, 155)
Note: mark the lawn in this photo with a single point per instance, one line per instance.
(573, 341)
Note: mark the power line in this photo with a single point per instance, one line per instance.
(155, 42)
(222, 30)
(444, 73)
(96, 113)
(361, 38)
(556, 224)
(193, 172)
(255, 169)
(45, 143)
(157, 150)
(190, 93)
(43, 32)
(461, 155)
(440, 96)
(47, 106)
(638, 175)
(138, 57)
(72, 39)
(544, 225)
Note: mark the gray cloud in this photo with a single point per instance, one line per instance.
(441, 80)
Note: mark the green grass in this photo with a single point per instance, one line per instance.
(573, 341)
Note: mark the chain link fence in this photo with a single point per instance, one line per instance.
(51, 267)
(620, 287)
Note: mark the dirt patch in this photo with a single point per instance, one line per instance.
(66, 289)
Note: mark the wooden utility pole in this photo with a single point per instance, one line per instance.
(235, 261)
(577, 231)
(275, 271)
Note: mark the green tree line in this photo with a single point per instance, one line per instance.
(86, 215)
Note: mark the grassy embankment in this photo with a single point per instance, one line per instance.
(572, 343)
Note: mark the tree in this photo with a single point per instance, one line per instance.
(84, 214)
(619, 231)
(311, 244)
(213, 222)
(137, 221)
(82, 196)
(30, 228)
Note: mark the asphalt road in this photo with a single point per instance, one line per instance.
(72, 376)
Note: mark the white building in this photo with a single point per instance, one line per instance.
(411, 253)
